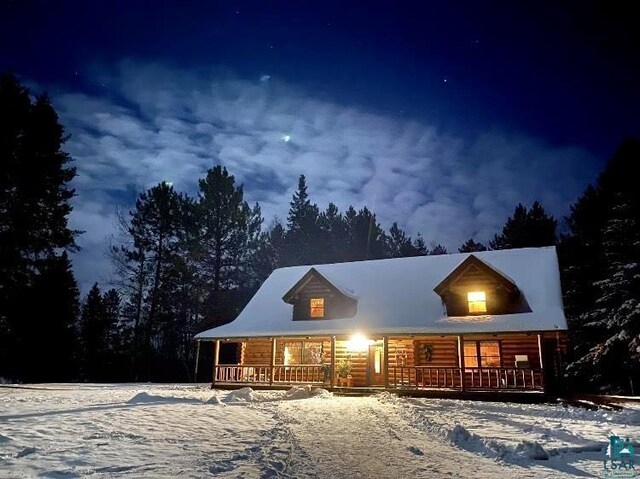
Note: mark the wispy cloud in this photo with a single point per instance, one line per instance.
(157, 123)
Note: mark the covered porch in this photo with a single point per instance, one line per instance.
(497, 362)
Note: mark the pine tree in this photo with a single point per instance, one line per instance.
(398, 243)
(599, 261)
(526, 228)
(303, 232)
(438, 249)
(50, 315)
(470, 246)
(93, 334)
(34, 206)
(334, 235)
(365, 236)
(614, 322)
(419, 246)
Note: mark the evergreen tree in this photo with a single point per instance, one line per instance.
(526, 228)
(34, 206)
(365, 236)
(230, 236)
(398, 243)
(334, 235)
(438, 249)
(303, 232)
(50, 314)
(599, 261)
(611, 329)
(470, 246)
(93, 334)
(419, 246)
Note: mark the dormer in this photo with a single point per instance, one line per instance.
(314, 297)
(475, 288)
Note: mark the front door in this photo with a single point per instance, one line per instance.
(376, 365)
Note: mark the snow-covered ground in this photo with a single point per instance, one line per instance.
(65, 431)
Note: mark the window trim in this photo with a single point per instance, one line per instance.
(302, 344)
(478, 356)
(321, 309)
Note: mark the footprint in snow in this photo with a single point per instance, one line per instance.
(26, 451)
(416, 451)
(222, 466)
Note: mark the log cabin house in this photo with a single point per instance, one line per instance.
(485, 321)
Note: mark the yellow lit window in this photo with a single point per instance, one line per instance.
(477, 301)
(317, 308)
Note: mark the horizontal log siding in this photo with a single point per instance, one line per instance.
(358, 362)
(399, 347)
(257, 351)
(444, 351)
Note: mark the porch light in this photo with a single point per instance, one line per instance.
(358, 343)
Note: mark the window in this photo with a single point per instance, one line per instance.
(477, 301)
(483, 353)
(302, 352)
(316, 307)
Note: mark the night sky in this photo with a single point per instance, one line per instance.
(440, 115)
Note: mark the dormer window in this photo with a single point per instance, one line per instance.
(465, 290)
(315, 298)
(477, 301)
(316, 307)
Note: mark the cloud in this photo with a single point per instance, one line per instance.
(158, 123)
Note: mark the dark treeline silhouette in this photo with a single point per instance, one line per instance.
(184, 264)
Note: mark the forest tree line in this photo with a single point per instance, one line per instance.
(184, 264)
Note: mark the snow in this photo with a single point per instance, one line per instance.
(191, 431)
(396, 296)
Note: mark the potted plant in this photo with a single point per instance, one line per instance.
(343, 369)
(326, 370)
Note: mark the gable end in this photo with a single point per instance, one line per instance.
(329, 301)
(475, 279)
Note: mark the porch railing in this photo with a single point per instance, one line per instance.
(467, 378)
(400, 377)
(266, 374)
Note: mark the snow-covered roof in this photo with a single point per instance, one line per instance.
(396, 296)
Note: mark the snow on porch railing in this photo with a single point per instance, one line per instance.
(265, 374)
(471, 378)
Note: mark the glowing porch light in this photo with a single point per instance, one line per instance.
(358, 343)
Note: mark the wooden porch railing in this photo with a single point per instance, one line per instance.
(468, 378)
(266, 374)
(405, 377)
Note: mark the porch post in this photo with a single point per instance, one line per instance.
(541, 363)
(461, 362)
(385, 353)
(333, 361)
(540, 350)
(273, 360)
(195, 376)
(216, 359)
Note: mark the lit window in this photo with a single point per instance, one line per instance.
(485, 354)
(477, 301)
(302, 352)
(317, 308)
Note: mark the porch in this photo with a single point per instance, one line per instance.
(499, 363)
